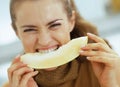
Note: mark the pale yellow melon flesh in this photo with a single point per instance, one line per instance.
(63, 55)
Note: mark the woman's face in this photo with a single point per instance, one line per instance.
(43, 25)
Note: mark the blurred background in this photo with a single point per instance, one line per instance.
(104, 14)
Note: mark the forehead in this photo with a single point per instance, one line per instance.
(46, 9)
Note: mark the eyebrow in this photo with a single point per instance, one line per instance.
(51, 22)
(33, 26)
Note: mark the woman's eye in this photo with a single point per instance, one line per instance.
(55, 25)
(29, 30)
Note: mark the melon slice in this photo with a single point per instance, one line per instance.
(63, 55)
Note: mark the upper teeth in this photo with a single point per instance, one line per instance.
(47, 51)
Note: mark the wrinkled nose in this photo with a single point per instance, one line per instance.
(44, 38)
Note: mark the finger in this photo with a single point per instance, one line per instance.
(19, 73)
(13, 68)
(17, 59)
(105, 60)
(97, 46)
(97, 68)
(27, 77)
(91, 53)
(96, 38)
(32, 83)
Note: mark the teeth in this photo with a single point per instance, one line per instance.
(47, 51)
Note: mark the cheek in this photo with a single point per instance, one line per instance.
(62, 35)
(29, 43)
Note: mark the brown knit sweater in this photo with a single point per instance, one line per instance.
(73, 74)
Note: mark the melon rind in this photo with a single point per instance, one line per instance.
(63, 55)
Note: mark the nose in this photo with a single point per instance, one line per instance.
(44, 38)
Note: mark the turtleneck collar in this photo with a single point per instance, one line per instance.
(61, 75)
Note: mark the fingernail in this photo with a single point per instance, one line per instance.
(88, 58)
(90, 34)
(81, 51)
(83, 46)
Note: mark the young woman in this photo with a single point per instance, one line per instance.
(44, 26)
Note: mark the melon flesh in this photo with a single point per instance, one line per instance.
(63, 55)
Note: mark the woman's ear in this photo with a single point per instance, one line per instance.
(72, 21)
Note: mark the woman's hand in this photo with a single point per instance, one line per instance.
(105, 62)
(20, 75)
